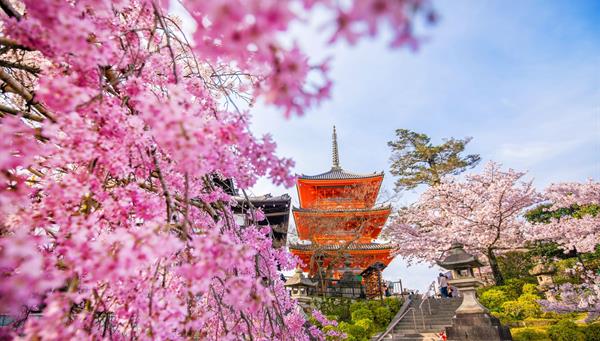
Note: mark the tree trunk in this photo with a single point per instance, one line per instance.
(495, 268)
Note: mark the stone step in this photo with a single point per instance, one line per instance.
(436, 326)
(417, 337)
(429, 318)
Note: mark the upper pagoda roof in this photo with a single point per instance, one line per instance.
(336, 171)
(351, 247)
(343, 210)
(339, 173)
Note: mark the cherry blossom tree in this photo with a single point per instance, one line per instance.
(571, 217)
(115, 124)
(483, 212)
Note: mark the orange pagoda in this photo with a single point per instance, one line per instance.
(338, 221)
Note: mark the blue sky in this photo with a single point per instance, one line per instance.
(520, 77)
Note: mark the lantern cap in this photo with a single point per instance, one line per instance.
(298, 279)
(458, 258)
(543, 269)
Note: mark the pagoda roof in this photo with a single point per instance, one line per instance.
(351, 247)
(339, 174)
(336, 172)
(343, 210)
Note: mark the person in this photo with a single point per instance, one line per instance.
(443, 283)
(388, 289)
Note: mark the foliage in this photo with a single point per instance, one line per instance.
(360, 304)
(416, 161)
(565, 330)
(114, 125)
(366, 324)
(483, 211)
(394, 304)
(545, 213)
(592, 332)
(359, 333)
(546, 250)
(514, 301)
(362, 313)
(370, 315)
(383, 316)
(515, 264)
(529, 334)
(525, 306)
(494, 298)
(338, 308)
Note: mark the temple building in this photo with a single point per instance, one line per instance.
(275, 208)
(338, 221)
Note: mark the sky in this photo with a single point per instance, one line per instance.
(522, 78)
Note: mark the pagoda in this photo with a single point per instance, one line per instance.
(338, 221)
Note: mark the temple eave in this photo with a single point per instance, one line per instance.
(337, 247)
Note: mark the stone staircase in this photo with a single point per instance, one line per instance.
(417, 327)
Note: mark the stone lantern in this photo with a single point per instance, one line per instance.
(472, 320)
(300, 287)
(543, 273)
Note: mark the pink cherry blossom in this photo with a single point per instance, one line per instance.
(111, 223)
(572, 233)
(483, 212)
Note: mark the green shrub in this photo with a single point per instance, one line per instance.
(383, 316)
(513, 287)
(529, 288)
(493, 299)
(515, 264)
(529, 334)
(393, 304)
(362, 313)
(539, 322)
(339, 307)
(592, 332)
(522, 308)
(358, 305)
(374, 304)
(565, 330)
(366, 324)
(505, 319)
(357, 332)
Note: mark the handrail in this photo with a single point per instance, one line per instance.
(396, 321)
(426, 297)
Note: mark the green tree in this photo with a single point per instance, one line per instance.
(416, 161)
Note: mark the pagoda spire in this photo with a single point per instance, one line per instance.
(335, 156)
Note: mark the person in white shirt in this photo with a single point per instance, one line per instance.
(443, 283)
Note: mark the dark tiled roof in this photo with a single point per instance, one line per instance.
(349, 210)
(339, 173)
(265, 198)
(333, 247)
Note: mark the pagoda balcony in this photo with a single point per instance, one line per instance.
(359, 255)
(334, 226)
(352, 191)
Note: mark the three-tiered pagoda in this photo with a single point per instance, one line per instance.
(339, 218)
